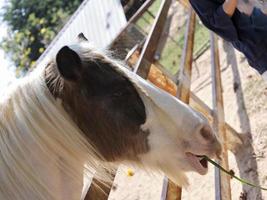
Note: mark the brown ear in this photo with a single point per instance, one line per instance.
(81, 37)
(69, 63)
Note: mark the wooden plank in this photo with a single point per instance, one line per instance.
(183, 90)
(150, 46)
(222, 181)
(164, 37)
(173, 191)
(184, 76)
(200, 106)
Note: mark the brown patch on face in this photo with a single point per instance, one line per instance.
(105, 105)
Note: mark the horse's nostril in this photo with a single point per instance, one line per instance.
(207, 133)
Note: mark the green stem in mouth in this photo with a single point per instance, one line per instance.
(232, 175)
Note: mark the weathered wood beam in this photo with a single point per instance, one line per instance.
(183, 90)
(222, 180)
(173, 191)
(185, 72)
(150, 46)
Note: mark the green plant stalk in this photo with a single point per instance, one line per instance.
(232, 175)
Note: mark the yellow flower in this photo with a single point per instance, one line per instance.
(130, 172)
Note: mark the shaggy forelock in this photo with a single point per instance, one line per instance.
(88, 53)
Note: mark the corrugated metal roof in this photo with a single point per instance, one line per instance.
(99, 20)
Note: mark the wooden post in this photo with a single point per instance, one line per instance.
(222, 181)
(173, 191)
(150, 46)
(184, 76)
(183, 91)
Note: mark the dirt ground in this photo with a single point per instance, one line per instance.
(245, 104)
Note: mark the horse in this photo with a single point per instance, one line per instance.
(84, 112)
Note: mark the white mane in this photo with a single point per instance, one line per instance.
(39, 142)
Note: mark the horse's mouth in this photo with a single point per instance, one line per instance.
(198, 162)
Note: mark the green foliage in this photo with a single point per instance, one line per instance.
(147, 20)
(31, 27)
(173, 50)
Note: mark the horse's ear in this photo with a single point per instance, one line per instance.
(69, 63)
(82, 38)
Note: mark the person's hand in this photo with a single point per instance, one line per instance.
(229, 7)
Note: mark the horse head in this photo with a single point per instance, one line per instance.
(127, 119)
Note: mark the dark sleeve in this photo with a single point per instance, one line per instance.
(259, 21)
(214, 18)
